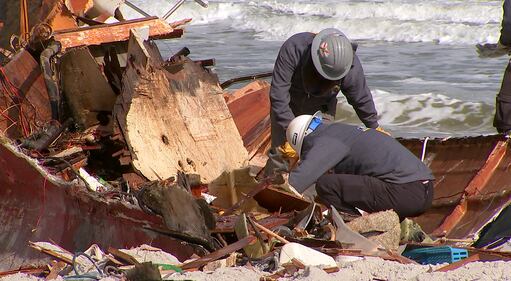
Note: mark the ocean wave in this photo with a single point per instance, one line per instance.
(429, 112)
(444, 22)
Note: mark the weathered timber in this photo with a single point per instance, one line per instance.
(181, 213)
(115, 32)
(191, 128)
(85, 87)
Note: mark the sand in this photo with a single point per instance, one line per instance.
(366, 269)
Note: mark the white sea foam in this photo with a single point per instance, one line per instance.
(435, 112)
(445, 22)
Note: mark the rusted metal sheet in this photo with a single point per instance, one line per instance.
(24, 103)
(114, 32)
(35, 208)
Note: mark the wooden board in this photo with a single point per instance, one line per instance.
(115, 32)
(175, 118)
(85, 87)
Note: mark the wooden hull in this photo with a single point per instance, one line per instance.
(473, 176)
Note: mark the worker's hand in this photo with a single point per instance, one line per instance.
(381, 130)
(492, 50)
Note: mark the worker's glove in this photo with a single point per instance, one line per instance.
(492, 50)
(288, 151)
(275, 167)
(381, 130)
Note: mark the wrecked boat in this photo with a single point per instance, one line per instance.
(100, 100)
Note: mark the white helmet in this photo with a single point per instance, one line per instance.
(332, 54)
(300, 127)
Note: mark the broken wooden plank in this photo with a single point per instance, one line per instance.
(219, 253)
(271, 233)
(26, 270)
(58, 252)
(55, 270)
(191, 127)
(260, 187)
(122, 255)
(115, 32)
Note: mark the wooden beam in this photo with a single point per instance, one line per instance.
(115, 32)
(219, 253)
(481, 178)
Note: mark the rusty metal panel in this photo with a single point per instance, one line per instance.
(35, 208)
(24, 102)
(115, 32)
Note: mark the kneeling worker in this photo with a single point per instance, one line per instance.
(370, 170)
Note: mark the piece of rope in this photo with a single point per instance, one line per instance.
(424, 148)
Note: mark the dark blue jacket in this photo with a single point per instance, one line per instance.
(505, 32)
(348, 149)
(288, 95)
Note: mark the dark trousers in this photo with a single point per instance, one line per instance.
(345, 192)
(502, 119)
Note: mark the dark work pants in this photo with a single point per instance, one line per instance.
(345, 192)
(502, 120)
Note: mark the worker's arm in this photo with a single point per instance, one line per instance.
(285, 65)
(354, 87)
(316, 162)
(505, 32)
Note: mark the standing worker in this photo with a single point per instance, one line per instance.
(309, 72)
(359, 168)
(502, 119)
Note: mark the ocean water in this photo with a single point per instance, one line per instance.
(418, 55)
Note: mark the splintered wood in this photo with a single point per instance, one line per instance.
(175, 118)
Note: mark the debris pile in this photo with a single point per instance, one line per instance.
(107, 148)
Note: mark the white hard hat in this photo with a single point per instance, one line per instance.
(300, 127)
(332, 54)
